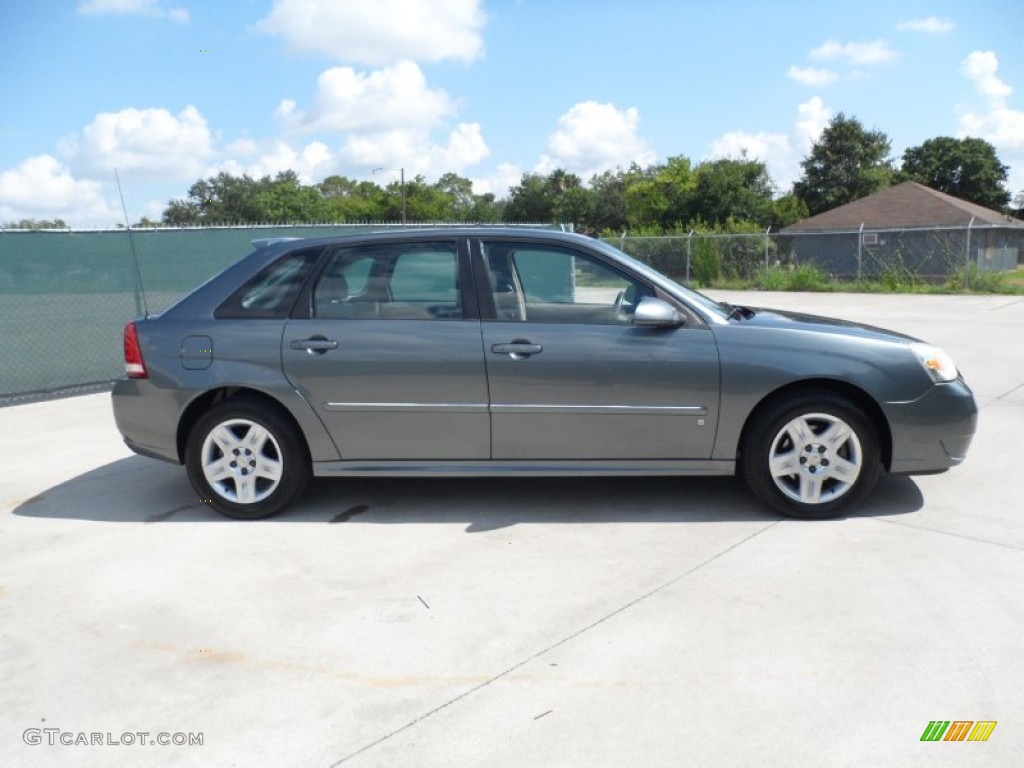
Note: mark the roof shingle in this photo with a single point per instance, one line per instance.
(905, 205)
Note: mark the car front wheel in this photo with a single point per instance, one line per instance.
(811, 456)
(245, 460)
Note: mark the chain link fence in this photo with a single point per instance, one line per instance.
(903, 255)
(66, 295)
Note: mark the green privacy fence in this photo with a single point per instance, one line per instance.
(65, 296)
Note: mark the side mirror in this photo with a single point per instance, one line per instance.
(655, 313)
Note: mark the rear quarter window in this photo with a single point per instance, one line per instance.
(273, 290)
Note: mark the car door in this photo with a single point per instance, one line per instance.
(390, 353)
(571, 377)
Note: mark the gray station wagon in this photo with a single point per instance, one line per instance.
(476, 351)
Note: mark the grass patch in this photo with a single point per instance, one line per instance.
(1015, 279)
(806, 277)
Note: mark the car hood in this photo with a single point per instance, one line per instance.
(776, 318)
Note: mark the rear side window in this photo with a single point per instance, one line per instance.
(398, 281)
(272, 291)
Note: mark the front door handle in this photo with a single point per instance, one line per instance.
(517, 350)
(315, 345)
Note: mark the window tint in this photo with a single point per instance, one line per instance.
(273, 290)
(410, 281)
(428, 276)
(549, 284)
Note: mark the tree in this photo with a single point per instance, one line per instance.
(608, 202)
(845, 164)
(423, 202)
(227, 199)
(658, 197)
(36, 224)
(1017, 206)
(965, 168)
(787, 210)
(732, 189)
(530, 200)
(487, 209)
(285, 199)
(459, 198)
(347, 200)
(559, 196)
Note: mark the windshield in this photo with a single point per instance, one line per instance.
(686, 294)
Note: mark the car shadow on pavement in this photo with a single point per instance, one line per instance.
(140, 490)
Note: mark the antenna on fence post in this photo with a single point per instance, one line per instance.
(967, 258)
(860, 245)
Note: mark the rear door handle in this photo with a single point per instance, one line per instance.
(517, 350)
(315, 345)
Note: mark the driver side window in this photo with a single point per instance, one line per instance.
(549, 284)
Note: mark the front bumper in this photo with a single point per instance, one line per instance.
(932, 434)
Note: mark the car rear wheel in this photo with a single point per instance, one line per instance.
(811, 456)
(245, 460)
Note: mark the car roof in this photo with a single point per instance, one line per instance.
(280, 245)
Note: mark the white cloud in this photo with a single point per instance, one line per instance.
(998, 122)
(386, 117)
(780, 152)
(466, 147)
(312, 163)
(43, 188)
(285, 109)
(415, 151)
(243, 147)
(775, 150)
(506, 175)
(812, 75)
(813, 116)
(931, 25)
(385, 99)
(593, 137)
(152, 8)
(147, 141)
(378, 32)
(853, 55)
(1002, 127)
(154, 209)
(980, 68)
(875, 52)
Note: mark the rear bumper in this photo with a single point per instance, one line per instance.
(147, 418)
(933, 433)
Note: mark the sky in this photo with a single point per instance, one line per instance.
(171, 91)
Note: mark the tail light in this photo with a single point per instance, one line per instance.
(134, 365)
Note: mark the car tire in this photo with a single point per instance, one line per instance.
(811, 456)
(246, 460)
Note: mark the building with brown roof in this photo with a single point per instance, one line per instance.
(909, 229)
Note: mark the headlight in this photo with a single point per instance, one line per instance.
(939, 365)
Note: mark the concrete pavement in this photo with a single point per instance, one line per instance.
(538, 622)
